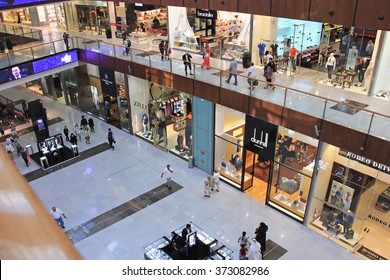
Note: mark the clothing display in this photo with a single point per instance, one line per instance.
(289, 186)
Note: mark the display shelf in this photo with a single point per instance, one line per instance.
(154, 252)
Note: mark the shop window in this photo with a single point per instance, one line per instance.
(289, 190)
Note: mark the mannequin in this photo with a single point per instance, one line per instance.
(293, 57)
(180, 140)
(274, 47)
(330, 65)
(261, 47)
(145, 121)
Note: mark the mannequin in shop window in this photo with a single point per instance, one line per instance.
(145, 121)
(180, 142)
(330, 66)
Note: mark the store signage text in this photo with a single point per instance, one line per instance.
(106, 80)
(262, 142)
(206, 14)
(383, 223)
(366, 161)
(140, 105)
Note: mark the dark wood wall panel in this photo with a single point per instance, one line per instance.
(160, 77)
(139, 71)
(122, 65)
(199, 4)
(377, 149)
(290, 9)
(373, 13)
(206, 91)
(183, 84)
(256, 7)
(155, 2)
(300, 122)
(234, 100)
(223, 5)
(107, 61)
(266, 111)
(333, 11)
(343, 137)
(179, 3)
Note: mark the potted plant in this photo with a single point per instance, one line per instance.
(246, 59)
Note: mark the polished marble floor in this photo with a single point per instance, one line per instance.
(98, 184)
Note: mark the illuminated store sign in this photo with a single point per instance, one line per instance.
(206, 14)
(260, 137)
(366, 161)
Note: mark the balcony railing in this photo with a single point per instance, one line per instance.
(363, 120)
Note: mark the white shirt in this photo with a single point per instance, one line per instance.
(331, 61)
(167, 173)
(267, 57)
(252, 72)
(216, 177)
(57, 214)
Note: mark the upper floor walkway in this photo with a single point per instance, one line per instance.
(301, 93)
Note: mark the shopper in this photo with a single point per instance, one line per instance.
(73, 139)
(187, 62)
(91, 124)
(125, 44)
(242, 253)
(252, 76)
(161, 48)
(167, 173)
(268, 74)
(76, 131)
(87, 135)
(261, 237)
(232, 71)
(207, 185)
(24, 154)
(65, 36)
(168, 50)
(83, 123)
(12, 126)
(243, 239)
(57, 214)
(216, 180)
(9, 148)
(110, 138)
(66, 133)
(207, 53)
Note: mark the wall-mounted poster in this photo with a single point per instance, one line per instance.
(341, 195)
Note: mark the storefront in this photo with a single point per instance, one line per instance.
(91, 16)
(270, 163)
(350, 202)
(226, 33)
(162, 116)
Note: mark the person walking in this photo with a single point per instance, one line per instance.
(207, 52)
(9, 148)
(24, 154)
(215, 180)
(252, 76)
(12, 126)
(66, 133)
(110, 138)
(161, 48)
(243, 239)
(233, 71)
(91, 125)
(57, 215)
(76, 131)
(87, 135)
(187, 62)
(268, 74)
(168, 50)
(65, 36)
(125, 44)
(261, 237)
(207, 185)
(73, 139)
(167, 173)
(83, 123)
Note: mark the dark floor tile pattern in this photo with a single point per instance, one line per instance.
(274, 251)
(83, 155)
(120, 212)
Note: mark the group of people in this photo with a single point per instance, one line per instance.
(253, 250)
(165, 50)
(211, 184)
(86, 126)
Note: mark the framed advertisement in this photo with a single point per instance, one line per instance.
(340, 195)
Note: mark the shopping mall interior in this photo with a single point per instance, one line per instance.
(306, 152)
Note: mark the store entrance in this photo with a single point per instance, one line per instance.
(258, 170)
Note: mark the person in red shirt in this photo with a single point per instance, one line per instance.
(293, 58)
